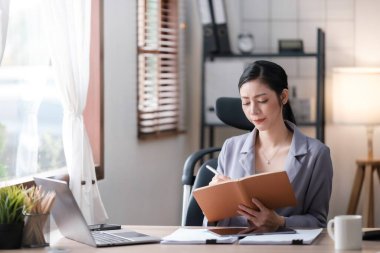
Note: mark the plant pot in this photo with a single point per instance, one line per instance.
(11, 235)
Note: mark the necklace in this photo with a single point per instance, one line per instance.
(268, 160)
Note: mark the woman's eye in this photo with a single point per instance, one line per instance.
(262, 101)
(245, 103)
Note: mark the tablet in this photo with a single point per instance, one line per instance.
(239, 231)
(371, 234)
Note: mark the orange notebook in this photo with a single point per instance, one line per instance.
(221, 201)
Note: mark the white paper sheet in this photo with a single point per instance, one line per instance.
(195, 236)
(303, 236)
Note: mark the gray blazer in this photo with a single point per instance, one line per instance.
(308, 166)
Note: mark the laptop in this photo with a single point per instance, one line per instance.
(72, 224)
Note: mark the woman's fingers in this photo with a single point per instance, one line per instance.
(259, 205)
(248, 210)
(253, 220)
(263, 219)
(257, 217)
(223, 178)
(219, 179)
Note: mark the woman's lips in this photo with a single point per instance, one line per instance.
(258, 121)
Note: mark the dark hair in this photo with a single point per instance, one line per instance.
(272, 75)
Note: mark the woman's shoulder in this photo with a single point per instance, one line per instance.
(315, 146)
(238, 140)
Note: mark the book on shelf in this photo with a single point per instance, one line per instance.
(210, 44)
(221, 201)
(221, 28)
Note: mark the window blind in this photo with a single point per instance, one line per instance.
(158, 67)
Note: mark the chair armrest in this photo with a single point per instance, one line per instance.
(188, 169)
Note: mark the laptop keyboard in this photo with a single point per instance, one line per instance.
(103, 238)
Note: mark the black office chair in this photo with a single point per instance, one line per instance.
(230, 112)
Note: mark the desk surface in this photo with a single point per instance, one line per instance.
(322, 244)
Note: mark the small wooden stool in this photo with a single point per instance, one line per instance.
(364, 172)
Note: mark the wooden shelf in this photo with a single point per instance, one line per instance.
(319, 56)
(262, 55)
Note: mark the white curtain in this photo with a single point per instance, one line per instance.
(68, 24)
(27, 150)
(33, 76)
(4, 15)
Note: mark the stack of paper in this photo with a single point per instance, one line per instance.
(195, 236)
(303, 236)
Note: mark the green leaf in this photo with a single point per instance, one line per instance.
(11, 204)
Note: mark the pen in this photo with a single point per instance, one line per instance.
(212, 170)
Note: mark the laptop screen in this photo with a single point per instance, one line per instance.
(73, 225)
(66, 211)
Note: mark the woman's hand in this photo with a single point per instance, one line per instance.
(219, 179)
(263, 220)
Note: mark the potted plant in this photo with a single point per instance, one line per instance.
(11, 216)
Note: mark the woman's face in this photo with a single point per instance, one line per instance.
(261, 105)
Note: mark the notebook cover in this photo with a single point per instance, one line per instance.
(221, 201)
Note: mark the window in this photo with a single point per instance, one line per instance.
(30, 110)
(158, 106)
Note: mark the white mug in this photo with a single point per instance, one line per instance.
(347, 231)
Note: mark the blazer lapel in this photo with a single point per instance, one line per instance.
(297, 152)
(247, 154)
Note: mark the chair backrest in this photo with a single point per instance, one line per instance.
(229, 111)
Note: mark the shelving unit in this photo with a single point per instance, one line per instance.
(319, 123)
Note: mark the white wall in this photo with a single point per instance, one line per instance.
(142, 181)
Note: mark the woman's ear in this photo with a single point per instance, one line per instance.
(284, 96)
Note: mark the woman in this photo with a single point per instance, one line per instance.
(276, 144)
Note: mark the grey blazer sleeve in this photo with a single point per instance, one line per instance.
(222, 158)
(220, 168)
(317, 193)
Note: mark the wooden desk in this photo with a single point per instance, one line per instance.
(322, 244)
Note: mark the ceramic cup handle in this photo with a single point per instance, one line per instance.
(330, 228)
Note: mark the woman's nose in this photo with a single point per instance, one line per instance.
(253, 109)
